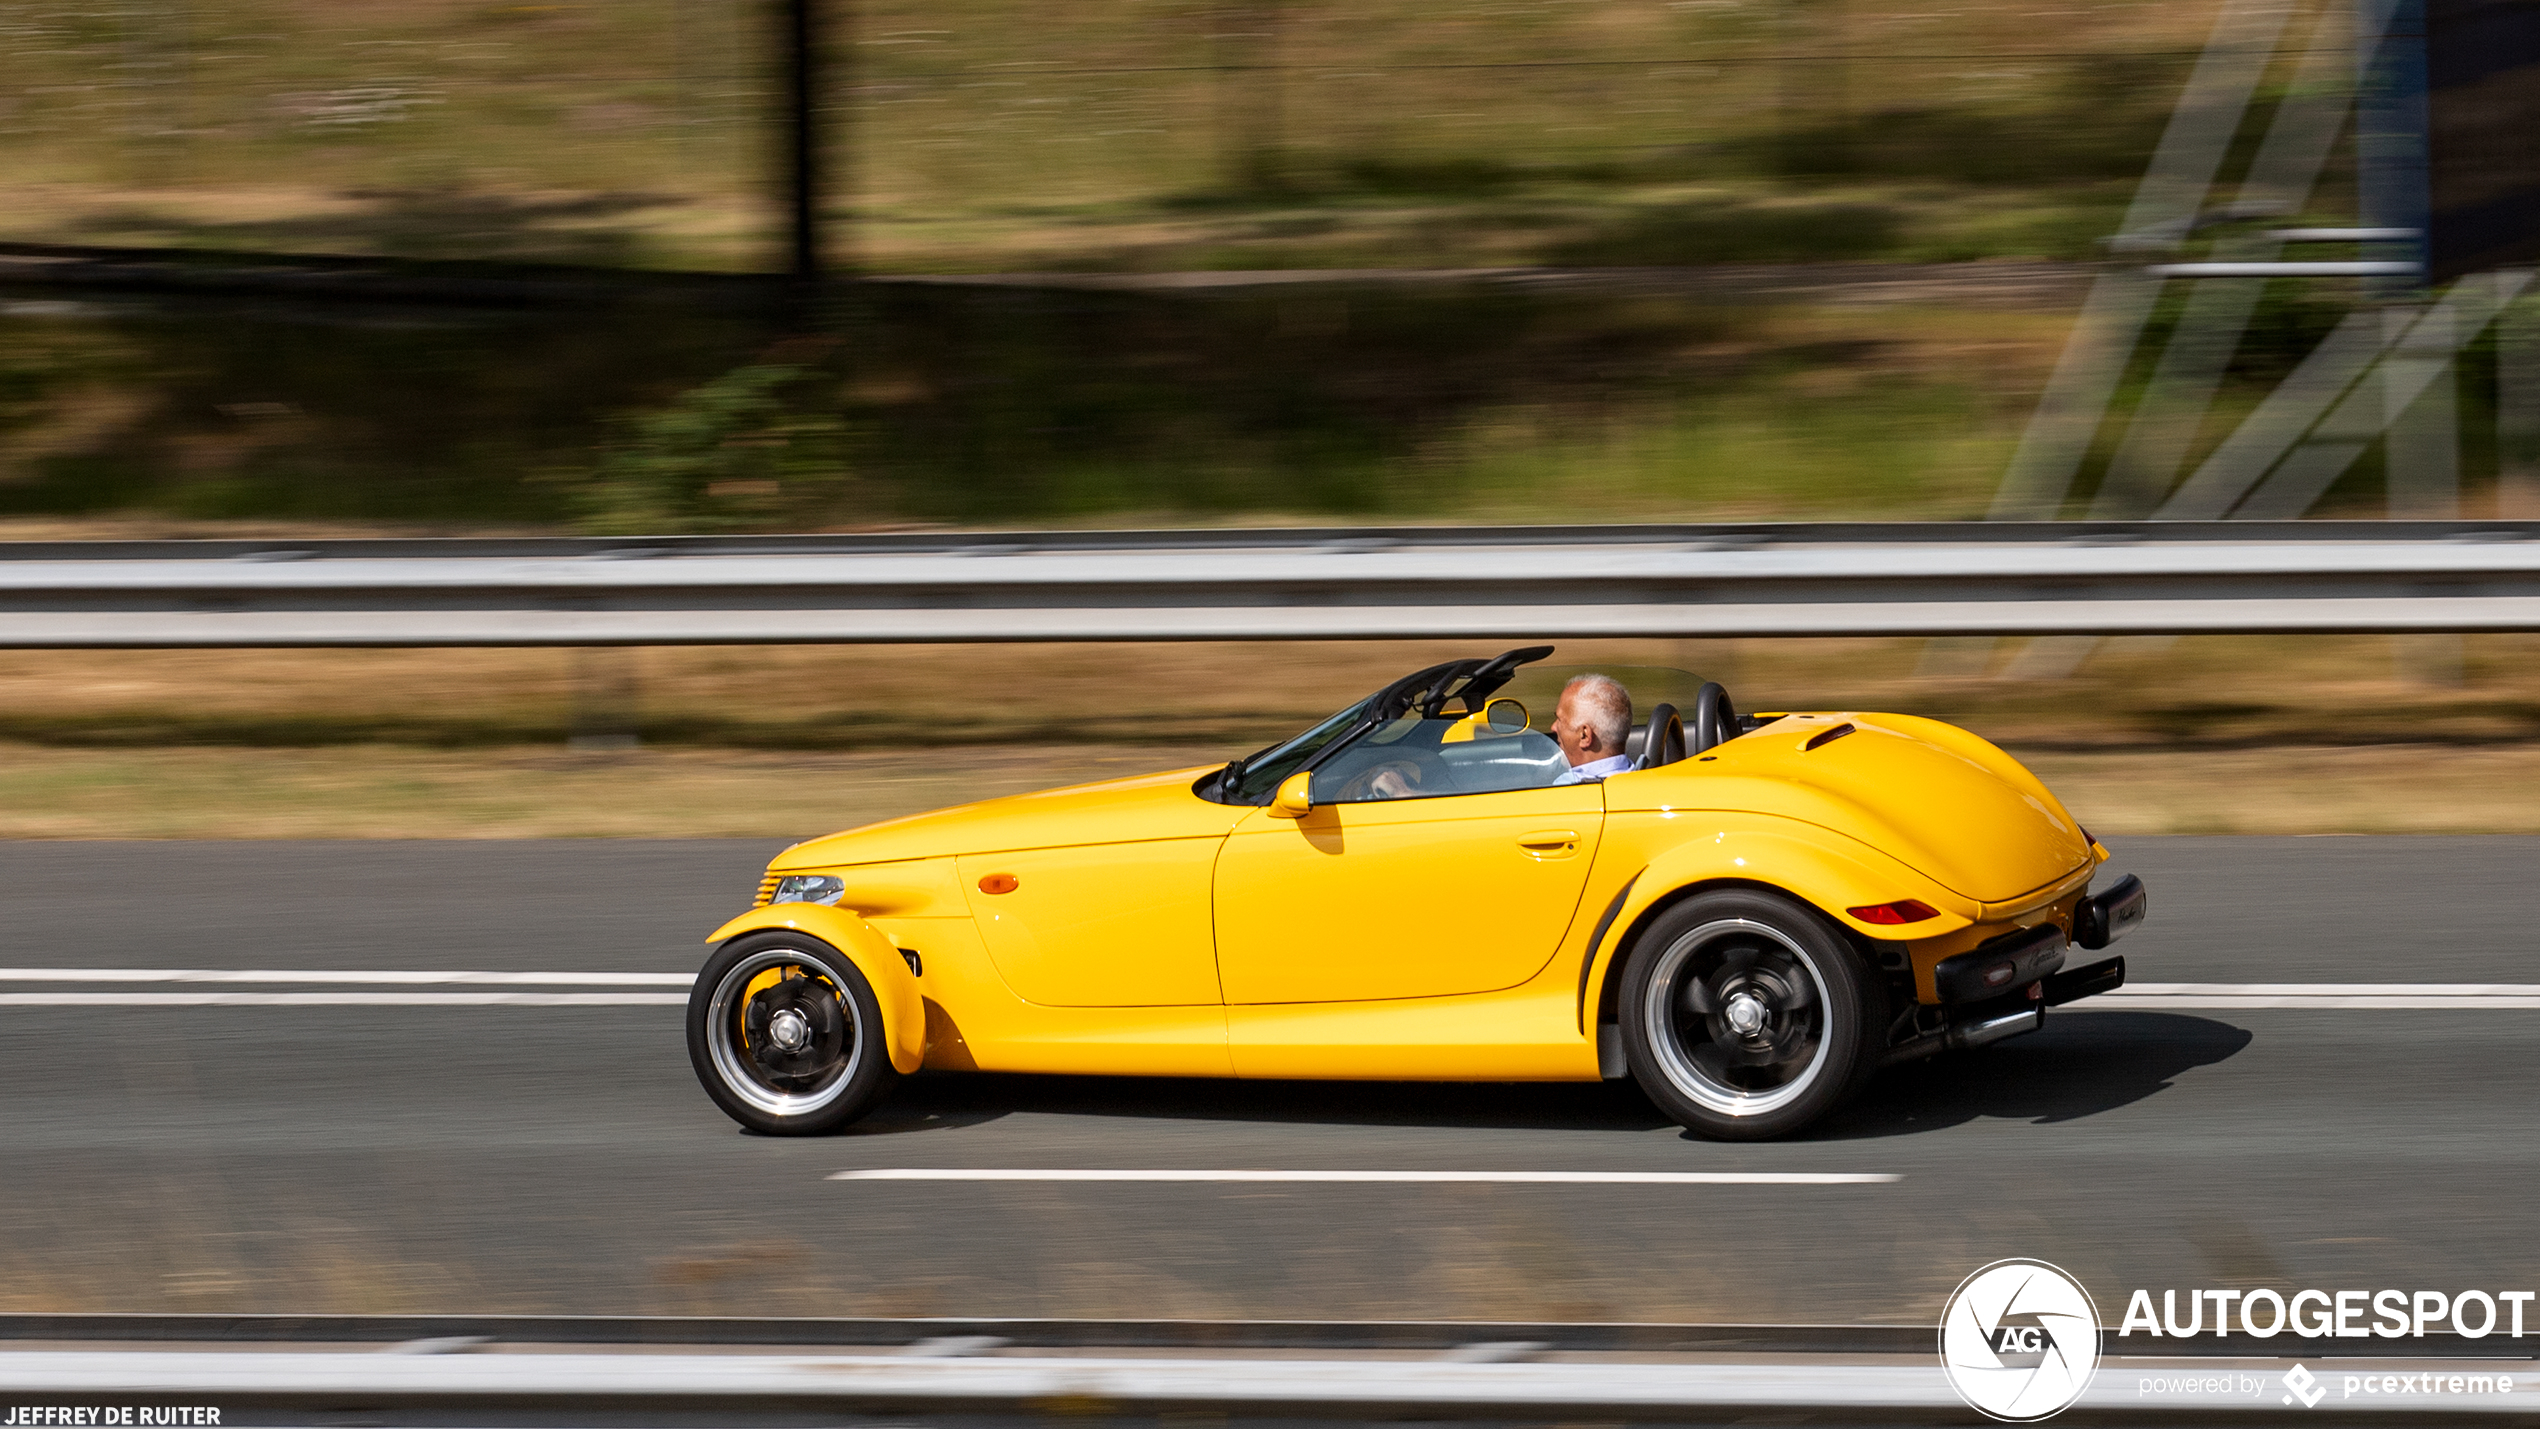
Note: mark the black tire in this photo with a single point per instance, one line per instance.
(737, 1038)
(1746, 1015)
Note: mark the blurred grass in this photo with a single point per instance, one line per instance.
(399, 792)
(2206, 735)
(1774, 392)
(390, 791)
(1002, 136)
(1816, 142)
(999, 407)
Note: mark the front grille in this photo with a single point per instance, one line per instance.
(766, 891)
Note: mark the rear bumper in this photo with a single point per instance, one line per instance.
(2003, 988)
(2000, 967)
(2102, 918)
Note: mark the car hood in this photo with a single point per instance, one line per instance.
(1145, 806)
(1946, 803)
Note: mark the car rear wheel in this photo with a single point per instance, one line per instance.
(786, 1035)
(1746, 1015)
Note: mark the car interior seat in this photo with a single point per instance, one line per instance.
(1661, 742)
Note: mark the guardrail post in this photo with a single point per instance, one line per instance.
(605, 694)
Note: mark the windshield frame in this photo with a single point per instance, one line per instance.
(1226, 786)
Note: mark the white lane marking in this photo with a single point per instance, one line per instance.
(343, 999)
(2360, 996)
(2441, 996)
(1521, 1178)
(345, 975)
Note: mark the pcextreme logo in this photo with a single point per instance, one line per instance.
(2020, 1340)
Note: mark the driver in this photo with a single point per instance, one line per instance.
(1591, 724)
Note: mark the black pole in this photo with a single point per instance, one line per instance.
(802, 98)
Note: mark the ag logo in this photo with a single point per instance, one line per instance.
(2020, 1340)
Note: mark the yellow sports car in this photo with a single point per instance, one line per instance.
(1749, 916)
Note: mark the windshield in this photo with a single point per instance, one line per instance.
(1259, 775)
(1398, 744)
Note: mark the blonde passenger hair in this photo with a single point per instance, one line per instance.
(1608, 707)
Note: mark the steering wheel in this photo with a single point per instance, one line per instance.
(1664, 741)
(1370, 784)
(1714, 718)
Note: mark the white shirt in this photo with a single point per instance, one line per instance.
(1594, 769)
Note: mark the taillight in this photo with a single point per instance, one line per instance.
(1903, 910)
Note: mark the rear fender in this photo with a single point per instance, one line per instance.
(903, 1008)
(1799, 861)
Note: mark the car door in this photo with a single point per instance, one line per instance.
(1409, 897)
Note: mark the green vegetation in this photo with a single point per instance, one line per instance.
(1728, 185)
(732, 454)
(996, 406)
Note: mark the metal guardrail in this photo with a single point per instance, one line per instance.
(1910, 579)
(606, 1370)
(1631, 1337)
(1400, 1336)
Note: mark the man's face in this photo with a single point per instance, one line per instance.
(1577, 741)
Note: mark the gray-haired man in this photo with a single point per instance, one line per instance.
(1591, 724)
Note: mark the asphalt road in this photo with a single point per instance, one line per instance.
(562, 1160)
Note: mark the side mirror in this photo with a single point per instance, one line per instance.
(1295, 798)
(1505, 716)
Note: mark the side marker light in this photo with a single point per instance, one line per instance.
(999, 883)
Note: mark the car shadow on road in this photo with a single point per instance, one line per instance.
(897, 1117)
(2077, 1067)
(968, 1098)
(2080, 1065)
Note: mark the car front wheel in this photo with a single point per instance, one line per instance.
(786, 1035)
(1745, 1015)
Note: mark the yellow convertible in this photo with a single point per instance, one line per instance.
(1750, 919)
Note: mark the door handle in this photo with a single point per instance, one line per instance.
(1548, 840)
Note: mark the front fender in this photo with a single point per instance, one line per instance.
(903, 1006)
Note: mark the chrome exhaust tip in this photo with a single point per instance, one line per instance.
(1978, 1033)
(1993, 1029)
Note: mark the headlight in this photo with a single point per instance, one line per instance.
(809, 888)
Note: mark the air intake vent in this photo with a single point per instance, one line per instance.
(1827, 737)
(766, 891)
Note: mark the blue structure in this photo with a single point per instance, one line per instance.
(2393, 122)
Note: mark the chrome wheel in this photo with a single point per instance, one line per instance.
(783, 1036)
(1736, 1017)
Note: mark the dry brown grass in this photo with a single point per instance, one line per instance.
(2218, 735)
(2205, 693)
(401, 792)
